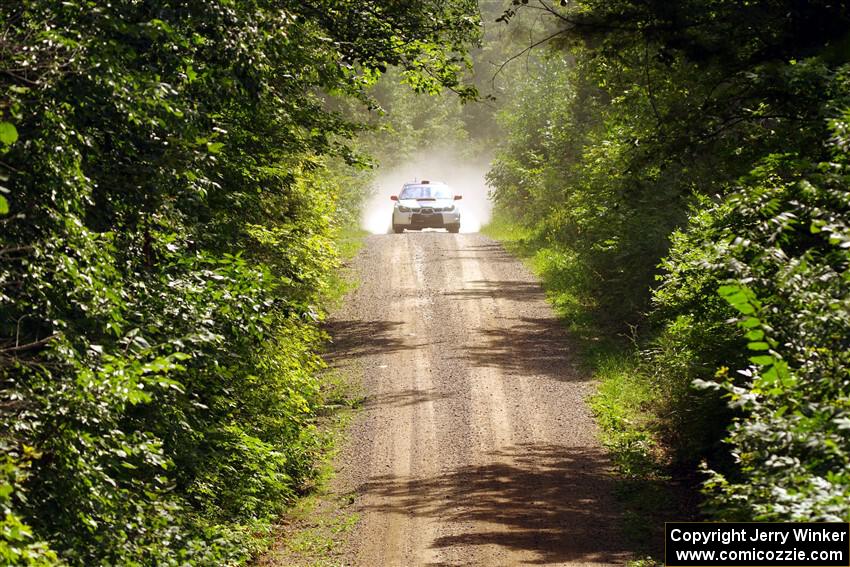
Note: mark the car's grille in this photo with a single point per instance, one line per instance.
(426, 219)
(426, 211)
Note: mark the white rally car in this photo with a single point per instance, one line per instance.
(426, 205)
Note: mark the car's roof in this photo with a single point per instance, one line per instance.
(428, 184)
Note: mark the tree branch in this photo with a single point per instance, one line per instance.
(29, 346)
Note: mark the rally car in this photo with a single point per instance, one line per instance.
(425, 204)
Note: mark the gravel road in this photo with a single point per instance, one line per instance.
(475, 445)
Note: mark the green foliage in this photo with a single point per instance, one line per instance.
(17, 546)
(620, 406)
(570, 169)
(173, 185)
(788, 259)
(679, 167)
(759, 258)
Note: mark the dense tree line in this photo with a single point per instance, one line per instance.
(173, 177)
(681, 169)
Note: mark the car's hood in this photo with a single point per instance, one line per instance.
(424, 203)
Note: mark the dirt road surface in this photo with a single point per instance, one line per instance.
(475, 446)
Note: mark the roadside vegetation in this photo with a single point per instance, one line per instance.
(312, 532)
(677, 174)
(176, 180)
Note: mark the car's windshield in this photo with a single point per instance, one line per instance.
(426, 192)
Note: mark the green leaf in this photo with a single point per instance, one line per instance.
(743, 307)
(762, 360)
(4, 206)
(8, 133)
(739, 297)
(728, 290)
(755, 335)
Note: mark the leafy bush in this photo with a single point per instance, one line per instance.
(789, 258)
(776, 251)
(173, 181)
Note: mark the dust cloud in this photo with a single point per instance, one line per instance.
(466, 177)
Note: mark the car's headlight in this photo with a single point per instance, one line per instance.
(404, 209)
(449, 208)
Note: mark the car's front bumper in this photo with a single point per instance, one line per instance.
(420, 220)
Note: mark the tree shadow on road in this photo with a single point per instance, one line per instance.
(358, 338)
(492, 250)
(551, 501)
(525, 346)
(512, 290)
(403, 398)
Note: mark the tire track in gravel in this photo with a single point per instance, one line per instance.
(475, 445)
